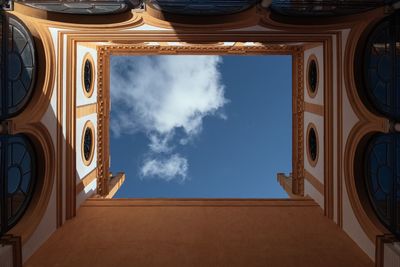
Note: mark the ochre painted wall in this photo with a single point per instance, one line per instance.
(199, 233)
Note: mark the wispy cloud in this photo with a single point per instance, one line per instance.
(174, 167)
(159, 94)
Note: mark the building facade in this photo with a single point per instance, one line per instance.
(54, 135)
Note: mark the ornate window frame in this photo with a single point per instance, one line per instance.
(313, 162)
(310, 92)
(88, 126)
(88, 57)
(213, 48)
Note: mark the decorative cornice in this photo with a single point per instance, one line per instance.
(204, 49)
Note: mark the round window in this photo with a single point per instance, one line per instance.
(88, 75)
(382, 172)
(18, 168)
(381, 68)
(312, 144)
(20, 75)
(312, 76)
(88, 143)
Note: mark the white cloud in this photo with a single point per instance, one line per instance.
(160, 144)
(174, 167)
(158, 94)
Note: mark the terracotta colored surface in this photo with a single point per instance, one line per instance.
(199, 233)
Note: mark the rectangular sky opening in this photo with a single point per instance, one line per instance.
(187, 126)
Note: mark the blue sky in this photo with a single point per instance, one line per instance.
(201, 126)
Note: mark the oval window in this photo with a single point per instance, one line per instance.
(312, 145)
(88, 75)
(312, 76)
(88, 143)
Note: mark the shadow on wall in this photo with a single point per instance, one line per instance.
(30, 137)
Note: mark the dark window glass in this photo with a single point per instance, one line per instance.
(87, 144)
(382, 69)
(312, 76)
(18, 79)
(382, 172)
(3, 52)
(312, 144)
(307, 8)
(87, 75)
(202, 7)
(17, 166)
(83, 7)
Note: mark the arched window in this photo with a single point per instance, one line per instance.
(20, 68)
(318, 8)
(18, 172)
(381, 72)
(382, 178)
(88, 7)
(202, 7)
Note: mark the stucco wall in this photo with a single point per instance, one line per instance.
(88, 191)
(48, 222)
(200, 233)
(309, 190)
